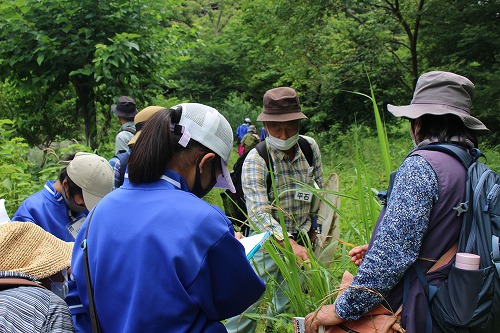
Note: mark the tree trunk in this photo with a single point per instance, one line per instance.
(84, 88)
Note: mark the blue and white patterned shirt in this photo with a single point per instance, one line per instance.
(398, 240)
(32, 309)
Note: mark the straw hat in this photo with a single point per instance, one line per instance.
(27, 248)
(440, 93)
(281, 104)
(140, 120)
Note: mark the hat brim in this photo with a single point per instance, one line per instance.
(134, 138)
(38, 254)
(415, 111)
(281, 117)
(91, 200)
(124, 114)
(224, 181)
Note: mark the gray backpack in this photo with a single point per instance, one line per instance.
(469, 300)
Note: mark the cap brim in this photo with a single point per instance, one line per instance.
(414, 111)
(91, 200)
(224, 181)
(134, 138)
(281, 117)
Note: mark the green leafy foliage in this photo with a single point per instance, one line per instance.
(81, 55)
(465, 42)
(15, 169)
(24, 170)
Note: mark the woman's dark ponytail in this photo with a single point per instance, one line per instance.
(154, 148)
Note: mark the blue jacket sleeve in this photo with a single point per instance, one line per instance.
(226, 284)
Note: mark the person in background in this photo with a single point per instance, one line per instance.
(33, 280)
(263, 134)
(418, 224)
(61, 207)
(120, 160)
(282, 118)
(242, 130)
(162, 259)
(250, 140)
(125, 110)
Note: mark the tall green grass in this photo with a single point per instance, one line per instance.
(364, 161)
(310, 284)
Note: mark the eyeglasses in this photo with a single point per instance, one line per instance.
(275, 128)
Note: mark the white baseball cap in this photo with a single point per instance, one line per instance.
(208, 127)
(93, 174)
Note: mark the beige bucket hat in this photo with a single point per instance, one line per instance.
(440, 93)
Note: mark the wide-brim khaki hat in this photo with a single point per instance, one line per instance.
(93, 174)
(281, 104)
(439, 93)
(27, 248)
(140, 120)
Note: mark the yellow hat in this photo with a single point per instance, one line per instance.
(27, 248)
(140, 120)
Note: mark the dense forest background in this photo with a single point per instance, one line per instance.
(63, 63)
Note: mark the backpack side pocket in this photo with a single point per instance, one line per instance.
(465, 300)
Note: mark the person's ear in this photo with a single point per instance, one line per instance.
(65, 185)
(205, 159)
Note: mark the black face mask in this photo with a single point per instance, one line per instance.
(70, 202)
(198, 189)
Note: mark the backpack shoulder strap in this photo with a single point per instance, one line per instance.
(305, 146)
(458, 153)
(123, 158)
(129, 129)
(262, 150)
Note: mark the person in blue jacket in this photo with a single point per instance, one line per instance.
(263, 134)
(160, 258)
(61, 207)
(242, 130)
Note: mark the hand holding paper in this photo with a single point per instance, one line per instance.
(253, 243)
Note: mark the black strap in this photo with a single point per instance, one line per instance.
(129, 129)
(306, 149)
(464, 157)
(96, 326)
(304, 145)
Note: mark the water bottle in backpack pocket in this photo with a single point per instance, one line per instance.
(464, 303)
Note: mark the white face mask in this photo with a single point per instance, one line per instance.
(61, 289)
(283, 144)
